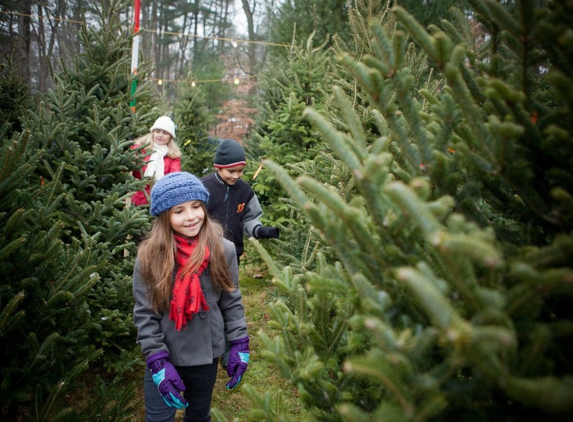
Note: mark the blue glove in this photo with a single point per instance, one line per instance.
(238, 361)
(167, 380)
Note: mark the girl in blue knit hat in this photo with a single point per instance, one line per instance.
(187, 303)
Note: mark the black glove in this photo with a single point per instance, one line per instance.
(266, 232)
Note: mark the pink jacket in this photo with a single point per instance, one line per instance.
(171, 166)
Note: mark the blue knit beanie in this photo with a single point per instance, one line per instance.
(175, 189)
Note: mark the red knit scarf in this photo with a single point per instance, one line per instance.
(188, 297)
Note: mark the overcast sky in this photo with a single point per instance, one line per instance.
(239, 18)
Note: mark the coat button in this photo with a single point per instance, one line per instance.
(203, 314)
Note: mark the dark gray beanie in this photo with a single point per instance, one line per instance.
(175, 189)
(229, 154)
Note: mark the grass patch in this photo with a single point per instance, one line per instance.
(262, 375)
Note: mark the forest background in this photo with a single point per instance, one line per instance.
(416, 156)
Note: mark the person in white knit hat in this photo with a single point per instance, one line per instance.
(165, 156)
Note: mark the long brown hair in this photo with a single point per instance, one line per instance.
(156, 256)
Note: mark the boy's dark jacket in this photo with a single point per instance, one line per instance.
(236, 208)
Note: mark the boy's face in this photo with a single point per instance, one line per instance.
(231, 175)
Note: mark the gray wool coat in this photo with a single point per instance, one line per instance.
(206, 334)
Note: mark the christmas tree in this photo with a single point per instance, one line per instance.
(14, 97)
(67, 237)
(193, 120)
(289, 85)
(451, 295)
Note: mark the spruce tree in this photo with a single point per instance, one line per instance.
(281, 132)
(67, 237)
(193, 120)
(451, 297)
(14, 97)
(86, 125)
(46, 327)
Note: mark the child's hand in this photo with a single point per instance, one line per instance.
(267, 232)
(167, 379)
(238, 361)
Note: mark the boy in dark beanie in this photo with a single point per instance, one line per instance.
(232, 202)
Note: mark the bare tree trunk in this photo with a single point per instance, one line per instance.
(164, 53)
(24, 38)
(195, 23)
(67, 42)
(223, 23)
(42, 53)
(153, 25)
(252, 50)
(183, 45)
(50, 48)
(147, 37)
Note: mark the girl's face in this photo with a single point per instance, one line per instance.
(160, 137)
(231, 175)
(187, 218)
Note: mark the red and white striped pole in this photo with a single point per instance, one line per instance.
(135, 52)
